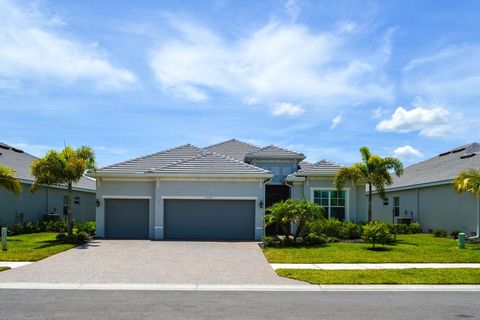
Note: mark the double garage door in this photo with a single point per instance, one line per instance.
(184, 219)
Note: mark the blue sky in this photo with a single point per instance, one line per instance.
(321, 77)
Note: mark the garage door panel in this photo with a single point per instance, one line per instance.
(127, 218)
(209, 219)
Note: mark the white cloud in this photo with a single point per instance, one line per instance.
(336, 121)
(33, 46)
(378, 113)
(280, 61)
(285, 108)
(292, 9)
(110, 150)
(407, 153)
(429, 122)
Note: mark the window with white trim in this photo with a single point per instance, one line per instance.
(334, 202)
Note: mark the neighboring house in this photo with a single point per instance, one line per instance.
(47, 199)
(217, 193)
(424, 193)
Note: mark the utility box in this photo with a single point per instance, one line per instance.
(461, 240)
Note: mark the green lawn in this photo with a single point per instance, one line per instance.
(32, 247)
(403, 276)
(408, 248)
(4, 268)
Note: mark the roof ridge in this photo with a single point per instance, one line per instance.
(277, 147)
(151, 154)
(231, 140)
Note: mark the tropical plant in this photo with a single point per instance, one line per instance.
(374, 171)
(300, 211)
(469, 181)
(9, 181)
(63, 168)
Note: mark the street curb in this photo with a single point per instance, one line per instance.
(232, 287)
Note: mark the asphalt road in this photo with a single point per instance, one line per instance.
(83, 304)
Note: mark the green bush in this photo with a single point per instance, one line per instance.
(454, 233)
(377, 232)
(89, 227)
(440, 233)
(410, 228)
(56, 226)
(315, 239)
(15, 229)
(78, 238)
(351, 230)
(414, 227)
(269, 241)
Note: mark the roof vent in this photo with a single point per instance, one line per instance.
(458, 150)
(468, 155)
(444, 153)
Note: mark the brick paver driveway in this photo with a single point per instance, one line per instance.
(154, 262)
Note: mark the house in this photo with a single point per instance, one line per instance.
(424, 193)
(219, 192)
(47, 199)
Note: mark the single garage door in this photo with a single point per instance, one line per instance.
(209, 219)
(126, 218)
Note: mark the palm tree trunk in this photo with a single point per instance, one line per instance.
(69, 211)
(369, 202)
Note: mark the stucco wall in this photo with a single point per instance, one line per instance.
(437, 207)
(35, 205)
(193, 189)
(290, 167)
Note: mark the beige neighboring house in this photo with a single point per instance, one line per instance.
(424, 193)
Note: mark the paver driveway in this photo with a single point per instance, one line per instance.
(144, 261)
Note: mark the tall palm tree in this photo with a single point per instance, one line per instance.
(63, 168)
(373, 170)
(9, 181)
(470, 181)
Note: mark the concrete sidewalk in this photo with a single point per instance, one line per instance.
(14, 264)
(372, 266)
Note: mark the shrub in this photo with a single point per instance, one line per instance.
(269, 241)
(454, 233)
(78, 238)
(315, 239)
(89, 227)
(440, 233)
(82, 236)
(56, 226)
(404, 228)
(351, 230)
(30, 227)
(332, 228)
(15, 229)
(377, 232)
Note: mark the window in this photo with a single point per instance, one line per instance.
(385, 202)
(396, 206)
(275, 171)
(333, 201)
(76, 200)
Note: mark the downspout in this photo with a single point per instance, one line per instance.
(478, 217)
(265, 201)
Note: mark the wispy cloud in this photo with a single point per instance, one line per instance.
(280, 61)
(33, 46)
(285, 108)
(336, 121)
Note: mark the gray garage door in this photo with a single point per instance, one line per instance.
(126, 218)
(209, 219)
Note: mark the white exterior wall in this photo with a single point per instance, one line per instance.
(432, 207)
(158, 191)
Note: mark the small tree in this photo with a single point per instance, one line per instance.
(376, 232)
(469, 181)
(288, 211)
(63, 168)
(373, 171)
(9, 181)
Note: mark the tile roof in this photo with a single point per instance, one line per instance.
(21, 162)
(155, 160)
(444, 167)
(322, 167)
(211, 163)
(273, 151)
(233, 148)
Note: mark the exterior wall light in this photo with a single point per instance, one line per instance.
(97, 203)
(260, 204)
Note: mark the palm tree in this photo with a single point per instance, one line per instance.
(63, 168)
(470, 181)
(9, 181)
(374, 171)
(280, 215)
